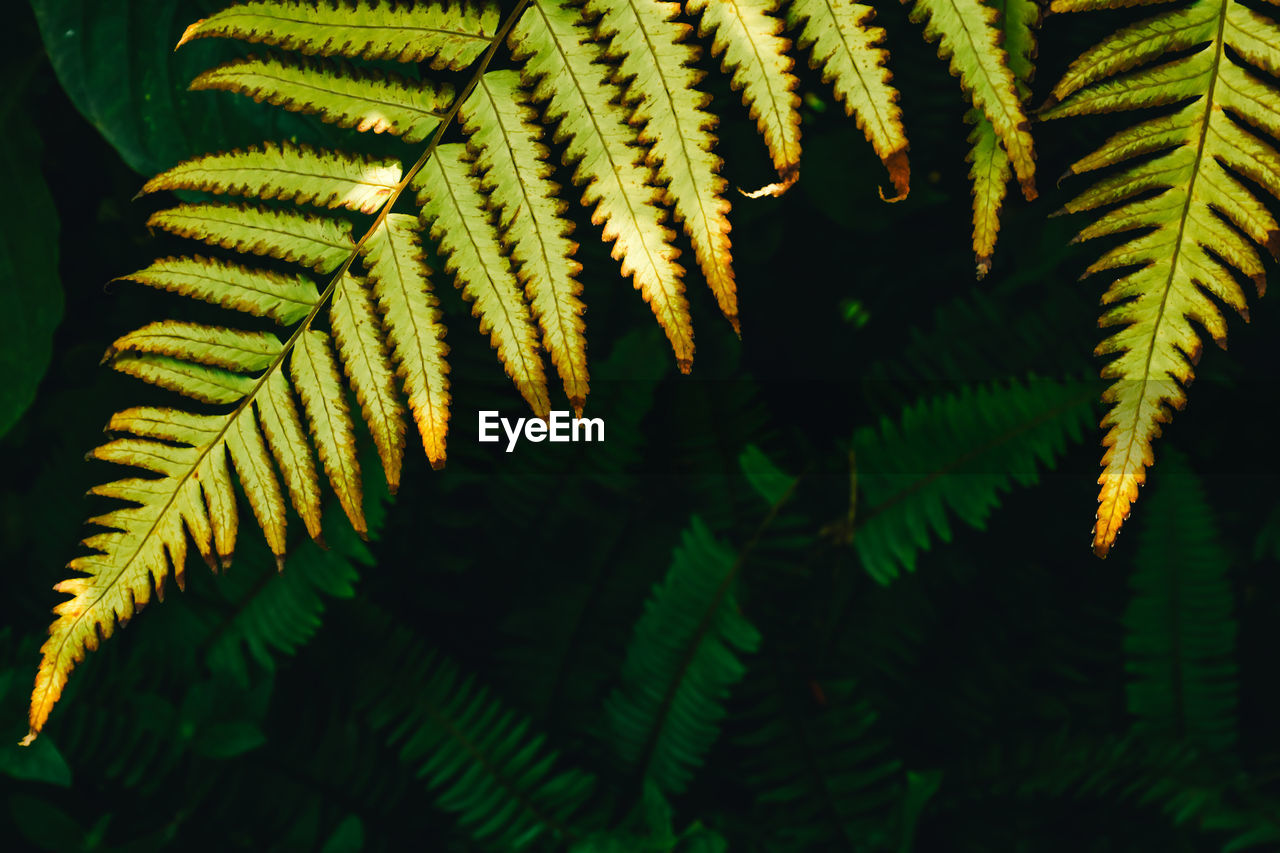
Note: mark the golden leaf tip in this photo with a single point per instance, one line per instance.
(29, 739)
(774, 189)
(189, 34)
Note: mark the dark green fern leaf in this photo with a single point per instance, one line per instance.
(955, 455)
(1180, 632)
(819, 767)
(482, 760)
(683, 659)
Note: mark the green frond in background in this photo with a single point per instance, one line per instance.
(482, 761)
(1180, 630)
(955, 455)
(686, 654)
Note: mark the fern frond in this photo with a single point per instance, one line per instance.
(1197, 230)
(191, 492)
(358, 333)
(336, 93)
(288, 172)
(278, 612)
(402, 285)
(823, 769)
(455, 212)
(507, 145)
(682, 661)
(843, 43)
(319, 242)
(481, 760)
(1179, 630)
(563, 66)
(968, 36)
(955, 454)
(262, 293)
(990, 168)
(655, 67)
(319, 382)
(447, 35)
(747, 38)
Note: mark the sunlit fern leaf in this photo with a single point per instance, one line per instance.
(747, 37)
(506, 141)
(232, 349)
(990, 168)
(284, 298)
(846, 47)
(319, 242)
(289, 445)
(336, 93)
(563, 64)
(482, 760)
(955, 455)
(655, 67)
(358, 333)
(206, 384)
(454, 209)
(446, 35)
(819, 768)
(1179, 630)
(969, 36)
(290, 173)
(683, 658)
(318, 379)
(402, 285)
(1198, 229)
(187, 453)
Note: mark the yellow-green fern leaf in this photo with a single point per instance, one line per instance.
(246, 352)
(402, 285)
(252, 462)
(288, 441)
(747, 38)
(968, 35)
(563, 65)
(656, 69)
(336, 93)
(448, 35)
(454, 209)
(846, 47)
(262, 293)
(1199, 224)
(359, 334)
(990, 169)
(507, 143)
(990, 172)
(206, 384)
(288, 172)
(142, 542)
(318, 380)
(319, 242)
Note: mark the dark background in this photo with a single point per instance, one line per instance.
(999, 664)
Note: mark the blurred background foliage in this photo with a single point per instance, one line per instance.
(831, 592)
